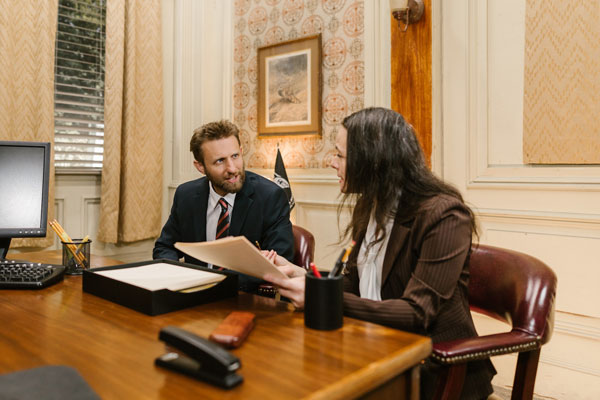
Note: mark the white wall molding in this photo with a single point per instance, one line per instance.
(168, 54)
(437, 155)
(557, 219)
(325, 176)
(88, 216)
(582, 333)
(316, 204)
(562, 363)
(377, 49)
(573, 334)
(59, 215)
(551, 212)
(582, 330)
(482, 174)
(228, 62)
(202, 66)
(182, 87)
(314, 180)
(527, 177)
(567, 247)
(577, 367)
(59, 208)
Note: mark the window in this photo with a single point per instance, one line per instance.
(79, 85)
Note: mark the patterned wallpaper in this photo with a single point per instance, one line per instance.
(562, 82)
(264, 22)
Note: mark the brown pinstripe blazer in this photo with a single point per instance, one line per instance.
(424, 284)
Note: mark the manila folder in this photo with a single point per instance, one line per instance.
(233, 252)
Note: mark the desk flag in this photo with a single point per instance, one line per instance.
(282, 180)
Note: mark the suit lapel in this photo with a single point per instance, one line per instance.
(243, 201)
(200, 202)
(397, 238)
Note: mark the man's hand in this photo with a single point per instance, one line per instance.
(291, 287)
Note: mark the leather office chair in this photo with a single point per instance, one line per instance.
(514, 288)
(304, 247)
(304, 254)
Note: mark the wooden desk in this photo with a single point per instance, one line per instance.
(114, 348)
(55, 257)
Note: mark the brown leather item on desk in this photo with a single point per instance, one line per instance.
(234, 329)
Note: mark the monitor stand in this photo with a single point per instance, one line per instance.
(4, 245)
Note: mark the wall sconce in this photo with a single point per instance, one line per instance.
(407, 11)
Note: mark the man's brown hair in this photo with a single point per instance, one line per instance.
(211, 131)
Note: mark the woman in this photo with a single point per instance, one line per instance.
(409, 268)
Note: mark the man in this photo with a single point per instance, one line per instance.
(228, 201)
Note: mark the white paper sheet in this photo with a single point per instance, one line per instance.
(233, 252)
(162, 276)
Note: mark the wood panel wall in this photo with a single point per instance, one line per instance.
(411, 76)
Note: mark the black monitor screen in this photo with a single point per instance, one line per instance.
(24, 173)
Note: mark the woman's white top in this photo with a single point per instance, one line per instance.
(370, 261)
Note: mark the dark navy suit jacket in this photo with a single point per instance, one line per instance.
(261, 213)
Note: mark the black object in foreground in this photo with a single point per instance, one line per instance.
(203, 359)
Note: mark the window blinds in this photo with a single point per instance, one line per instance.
(79, 85)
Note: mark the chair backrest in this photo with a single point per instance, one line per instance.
(513, 287)
(304, 247)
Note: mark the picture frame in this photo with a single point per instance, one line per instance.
(289, 88)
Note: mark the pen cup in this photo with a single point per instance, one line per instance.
(76, 256)
(323, 302)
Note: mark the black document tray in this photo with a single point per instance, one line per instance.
(155, 302)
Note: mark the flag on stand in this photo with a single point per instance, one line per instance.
(282, 180)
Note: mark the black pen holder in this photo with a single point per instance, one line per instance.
(76, 256)
(323, 302)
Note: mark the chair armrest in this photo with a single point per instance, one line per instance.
(482, 347)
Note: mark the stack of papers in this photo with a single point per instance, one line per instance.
(233, 252)
(163, 276)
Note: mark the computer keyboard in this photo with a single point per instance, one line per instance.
(20, 274)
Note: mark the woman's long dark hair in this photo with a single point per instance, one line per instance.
(386, 173)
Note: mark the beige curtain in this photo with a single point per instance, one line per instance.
(27, 36)
(133, 114)
(562, 82)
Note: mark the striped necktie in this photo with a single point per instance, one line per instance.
(223, 224)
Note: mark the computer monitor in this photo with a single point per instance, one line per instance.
(24, 177)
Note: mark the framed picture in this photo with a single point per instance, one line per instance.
(289, 88)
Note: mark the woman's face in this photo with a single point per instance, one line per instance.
(339, 160)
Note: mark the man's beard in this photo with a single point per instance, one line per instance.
(224, 186)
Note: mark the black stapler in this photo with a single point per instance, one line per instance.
(203, 359)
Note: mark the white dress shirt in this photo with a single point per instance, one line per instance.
(213, 211)
(370, 261)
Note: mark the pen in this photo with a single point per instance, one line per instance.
(338, 265)
(341, 261)
(315, 271)
(348, 251)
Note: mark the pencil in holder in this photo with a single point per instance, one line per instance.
(76, 256)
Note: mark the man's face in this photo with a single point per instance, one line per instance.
(223, 165)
